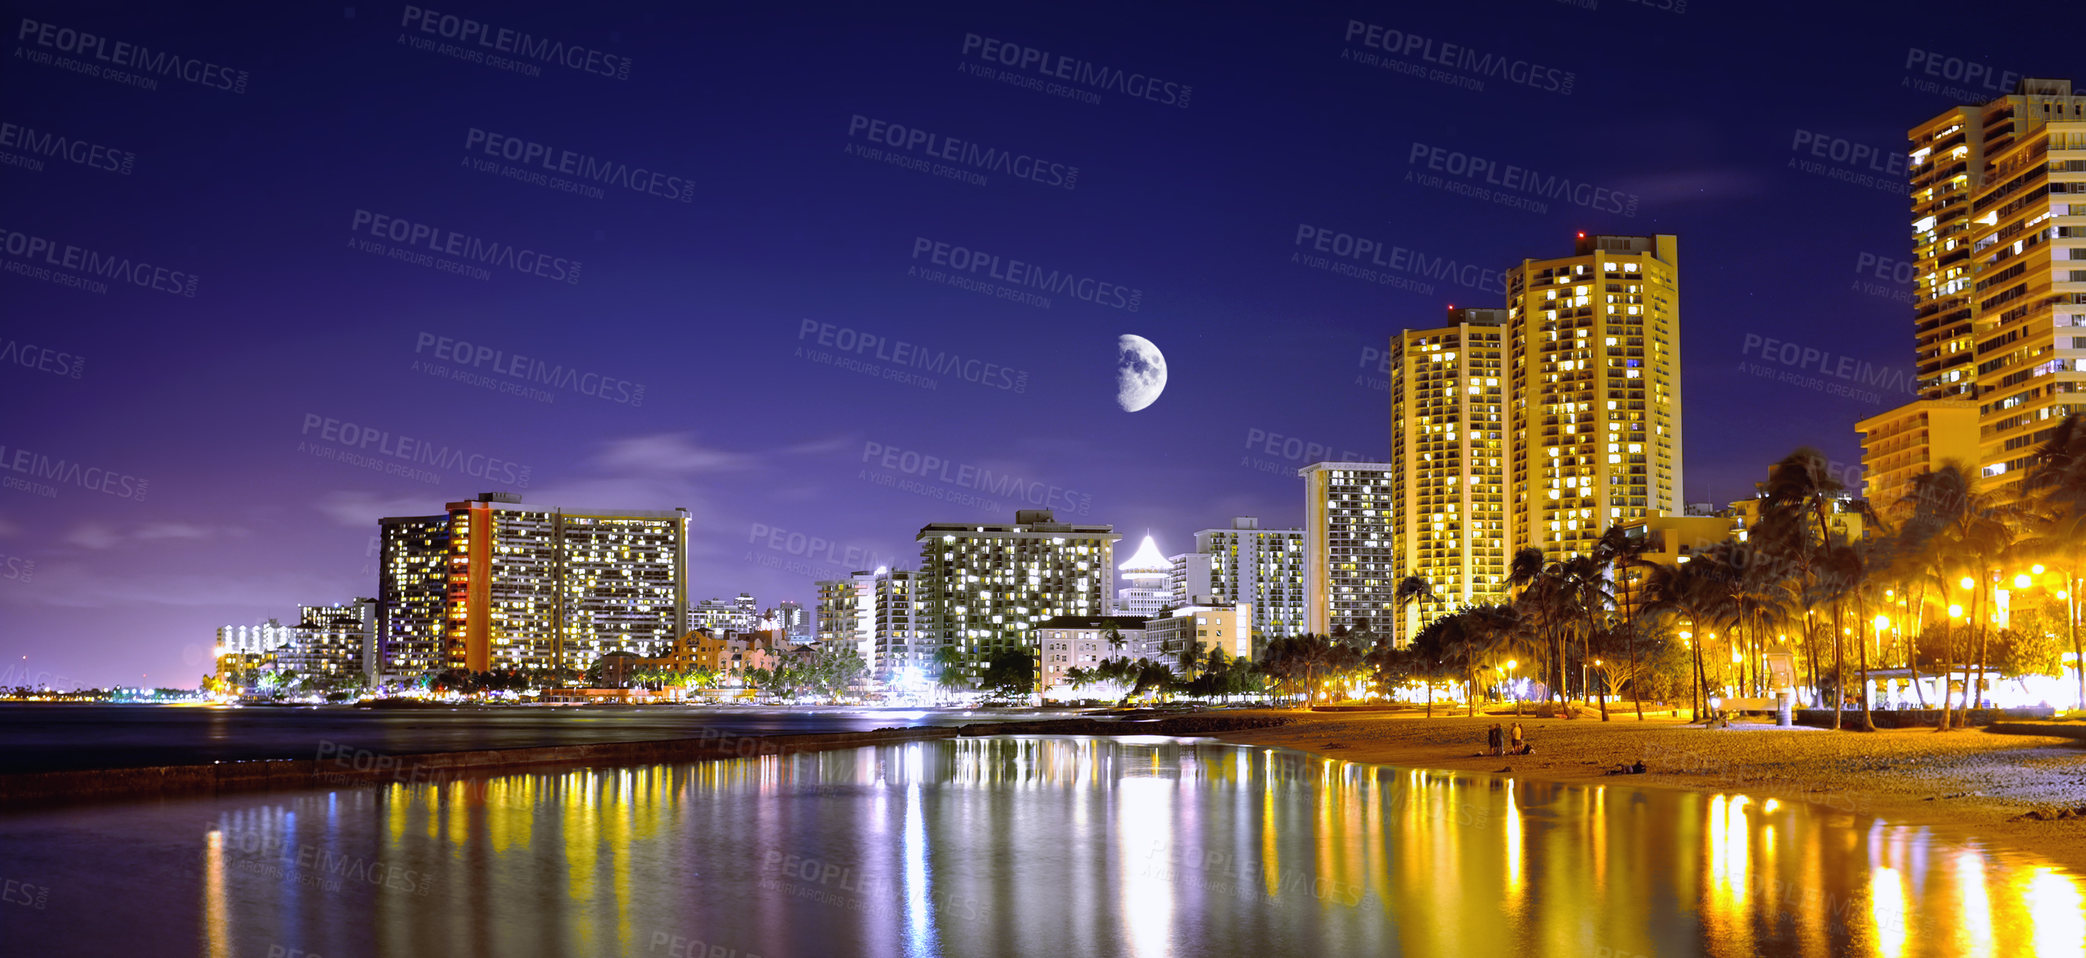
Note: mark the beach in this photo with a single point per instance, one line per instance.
(1966, 784)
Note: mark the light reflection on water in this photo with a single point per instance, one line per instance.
(1016, 846)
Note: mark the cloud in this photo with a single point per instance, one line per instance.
(102, 535)
(95, 535)
(671, 453)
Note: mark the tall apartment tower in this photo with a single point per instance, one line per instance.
(984, 588)
(1999, 243)
(895, 643)
(514, 586)
(1449, 453)
(1247, 564)
(1594, 400)
(1349, 557)
(1149, 590)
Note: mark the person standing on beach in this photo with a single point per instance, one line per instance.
(1517, 738)
(1493, 738)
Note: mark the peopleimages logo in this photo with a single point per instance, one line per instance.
(1520, 179)
(57, 146)
(413, 237)
(967, 153)
(1391, 259)
(406, 449)
(1463, 59)
(28, 250)
(529, 369)
(898, 352)
(64, 472)
(522, 45)
(962, 259)
(14, 352)
(580, 166)
(130, 56)
(1082, 72)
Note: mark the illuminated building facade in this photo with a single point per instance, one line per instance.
(531, 588)
(1999, 250)
(1149, 590)
(985, 588)
(328, 641)
(1263, 568)
(1449, 454)
(1899, 445)
(1594, 400)
(1349, 559)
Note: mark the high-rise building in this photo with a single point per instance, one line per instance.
(529, 587)
(875, 613)
(1449, 452)
(1999, 251)
(1594, 399)
(1900, 444)
(745, 612)
(1349, 560)
(795, 625)
(1262, 568)
(1148, 573)
(895, 643)
(836, 621)
(1189, 574)
(715, 616)
(984, 588)
(413, 595)
(327, 642)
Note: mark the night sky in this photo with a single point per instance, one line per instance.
(682, 222)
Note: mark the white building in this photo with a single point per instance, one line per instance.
(1262, 568)
(1149, 590)
(1349, 553)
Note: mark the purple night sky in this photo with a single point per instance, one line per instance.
(737, 316)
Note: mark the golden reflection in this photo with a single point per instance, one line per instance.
(1513, 829)
(2057, 911)
(1974, 914)
(1887, 915)
(1270, 857)
(215, 924)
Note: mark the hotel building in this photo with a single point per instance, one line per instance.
(1349, 557)
(986, 588)
(1999, 248)
(1150, 589)
(1594, 401)
(509, 586)
(1449, 452)
(1899, 445)
(1263, 568)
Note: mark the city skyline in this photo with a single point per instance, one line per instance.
(751, 333)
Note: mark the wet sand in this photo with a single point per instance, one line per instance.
(1968, 784)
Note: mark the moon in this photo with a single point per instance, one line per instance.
(1140, 372)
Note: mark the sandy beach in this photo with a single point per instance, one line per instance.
(1968, 784)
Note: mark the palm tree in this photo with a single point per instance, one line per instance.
(1626, 553)
(1800, 490)
(1413, 590)
(2058, 484)
(1692, 591)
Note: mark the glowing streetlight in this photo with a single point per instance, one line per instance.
(2036, 568)
(2022, 581)
(1955, 611)
(1881, 623)
(1968, 583)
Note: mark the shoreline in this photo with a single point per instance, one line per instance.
(1971, 785)
(1966, 785)
(350, 767)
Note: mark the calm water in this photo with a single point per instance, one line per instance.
(1011, 846)
(36, 738)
